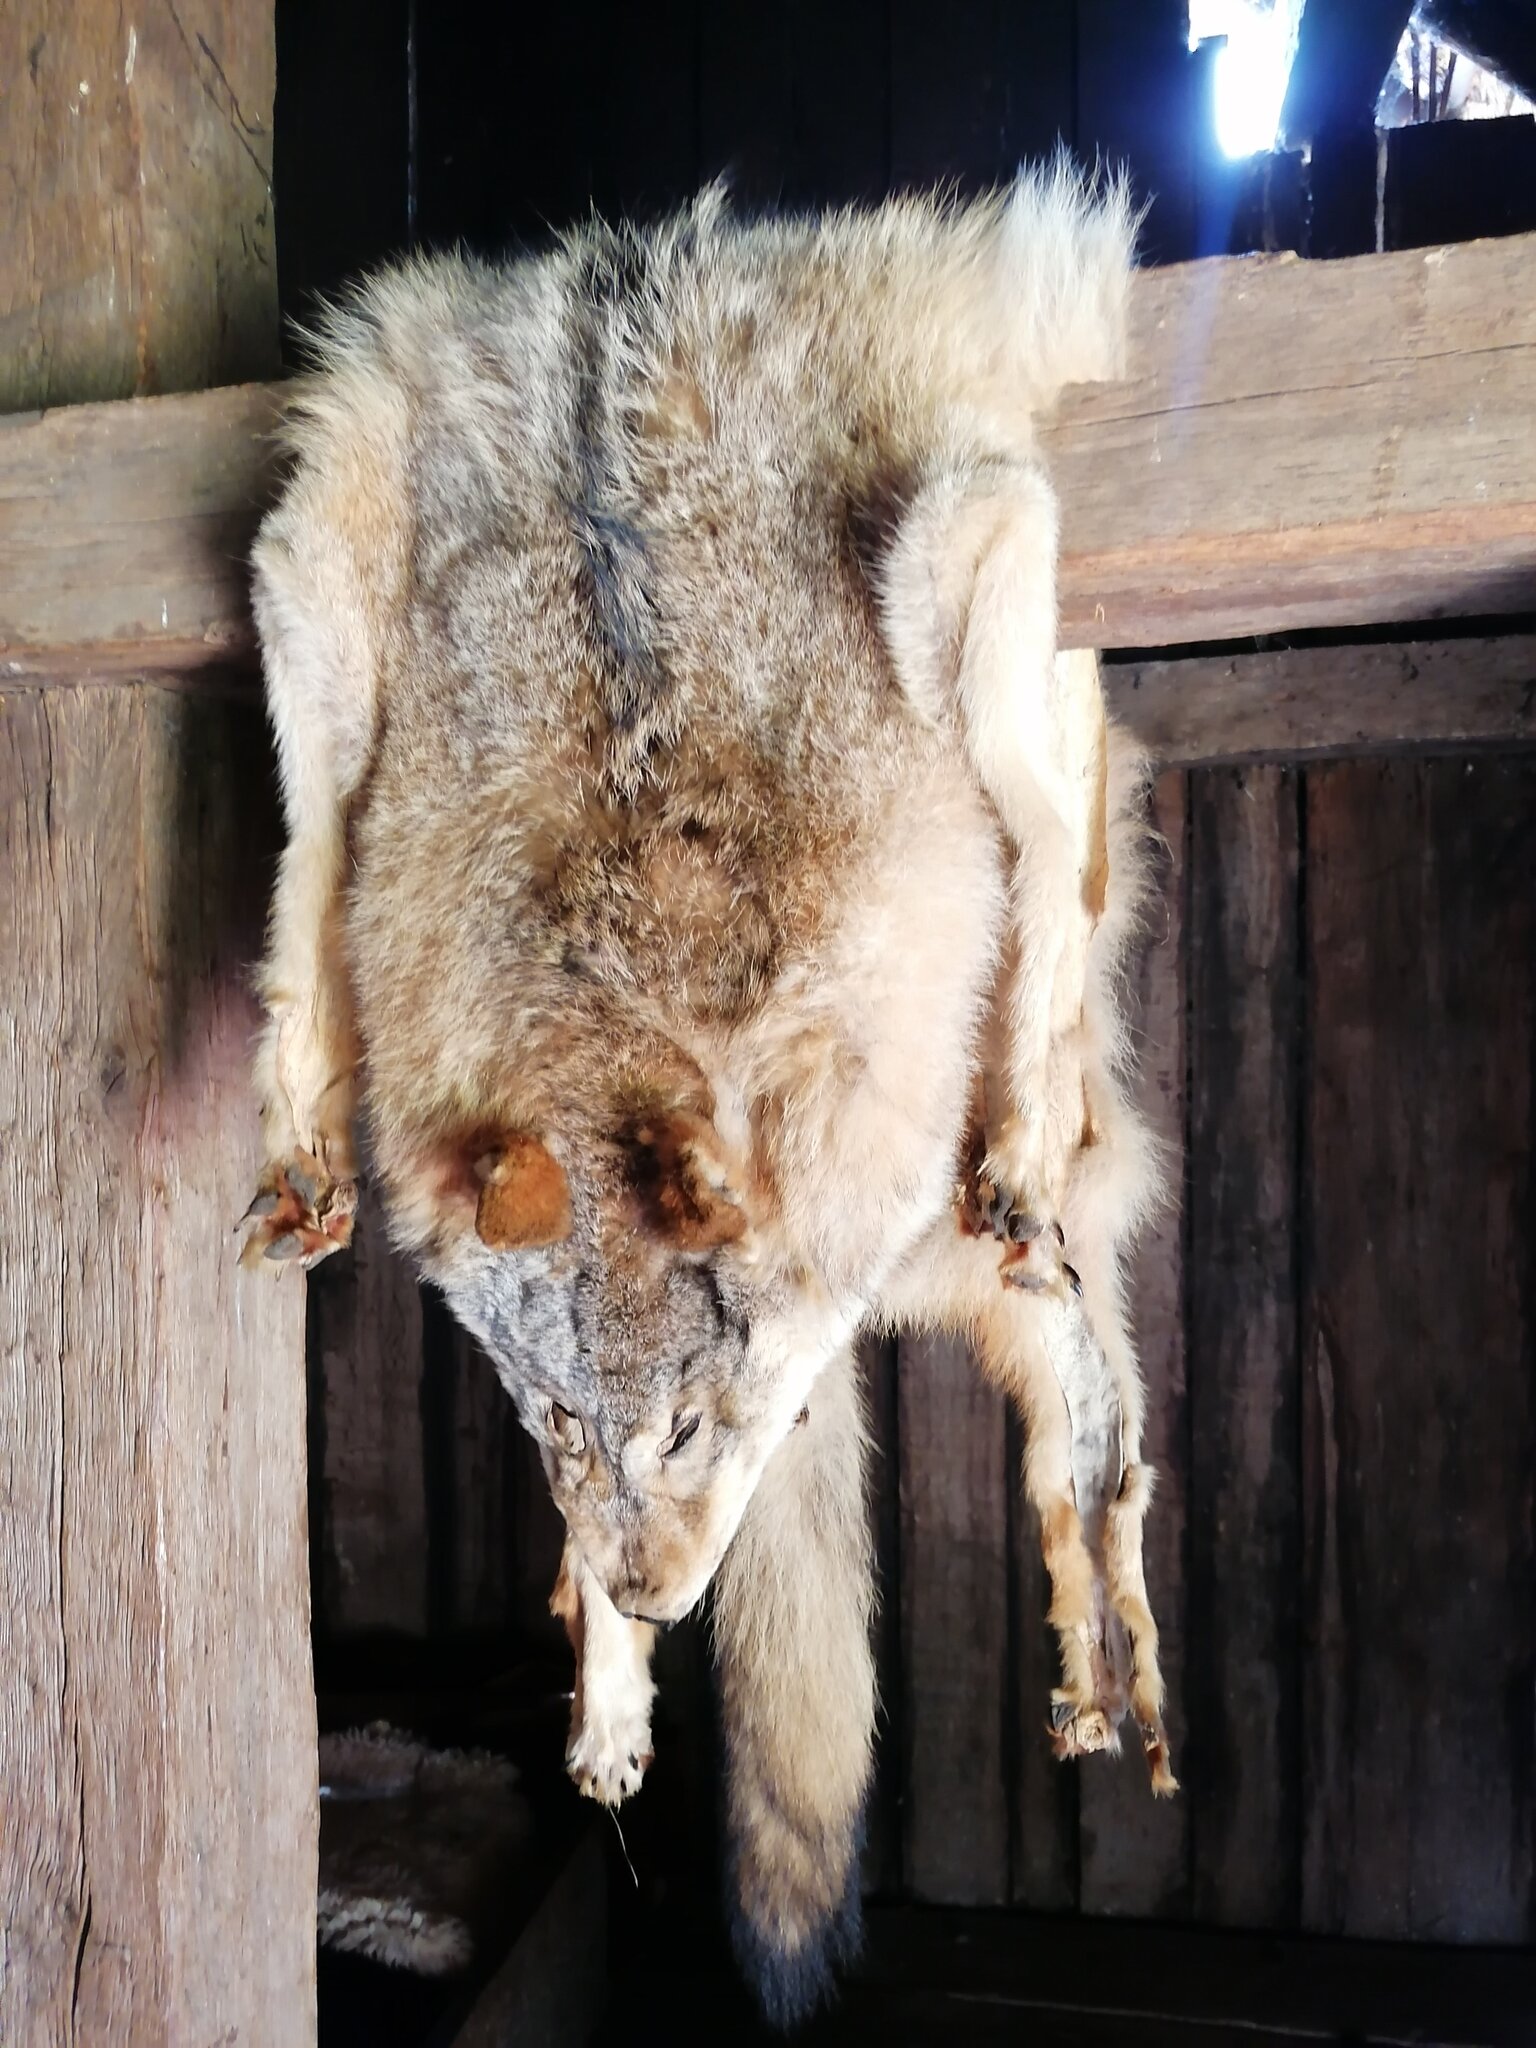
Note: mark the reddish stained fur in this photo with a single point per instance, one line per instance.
(525, 1200)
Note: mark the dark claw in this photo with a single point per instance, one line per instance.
(263, 1205)
(634, 1761)
(1061, 1235)
(1072, 1279)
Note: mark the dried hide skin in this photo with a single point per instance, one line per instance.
(709, 887)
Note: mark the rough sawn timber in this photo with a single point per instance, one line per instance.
(1300, 444)
(157, 1711)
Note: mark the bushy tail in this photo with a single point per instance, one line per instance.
(1064, 254)
(792, 1607)
(982, 308)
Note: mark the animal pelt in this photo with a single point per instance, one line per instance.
(709, 880)
(417, 1847)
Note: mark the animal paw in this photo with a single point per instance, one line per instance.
(1081, 1728)
(609, 1756)
(1021, 1178)
(301, 1213)
(1039, 1266)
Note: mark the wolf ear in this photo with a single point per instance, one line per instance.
(525, 1200)
(682, 1183)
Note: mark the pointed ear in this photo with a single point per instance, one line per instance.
(682, 1183)
(525, 1200)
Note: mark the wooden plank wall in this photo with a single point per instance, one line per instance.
(1337, 1319)
(1339, 1019)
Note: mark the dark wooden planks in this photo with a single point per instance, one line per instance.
(366, 1351)
(645, 148)
(1420, 1435)
(1134, 1848)
(949, 95)
(1497, 33)
(483, 1423)
(1449, 181)
(1449, 695)
(1344, 49)
(1241, 1765)
(955, 1477)
(794, 101)
(746, 99)
(1139, 102)
(156, 1704)
(342, 125)
(882, 1835)
(841, 102)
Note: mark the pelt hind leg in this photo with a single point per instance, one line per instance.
(1081, 1409)
(969, 608)
(1071, 1458)
(1107, 1185)
(792, 1609)
(320, 698)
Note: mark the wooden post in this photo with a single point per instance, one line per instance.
(157, 1722)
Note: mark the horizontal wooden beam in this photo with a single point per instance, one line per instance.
(1302, 444)
(1420, 696)
(125, 530)
(1307, 444)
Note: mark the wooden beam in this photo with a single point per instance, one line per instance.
(1307, 444)
(1301, 445)
(124, 532)
(1418, 696)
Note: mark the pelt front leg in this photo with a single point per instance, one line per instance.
(610, 1743)
(320, 696)
(306, 1066)
(969, 610)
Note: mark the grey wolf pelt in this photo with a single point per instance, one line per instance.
(707, 879)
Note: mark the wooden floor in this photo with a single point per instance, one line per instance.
(935, 1975)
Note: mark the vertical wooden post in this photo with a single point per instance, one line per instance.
(157, 1727)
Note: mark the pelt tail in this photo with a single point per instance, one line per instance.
(1063, 255)
(792, 1608)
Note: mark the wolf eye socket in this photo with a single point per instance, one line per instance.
(566, 1429)
(681, 1436)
